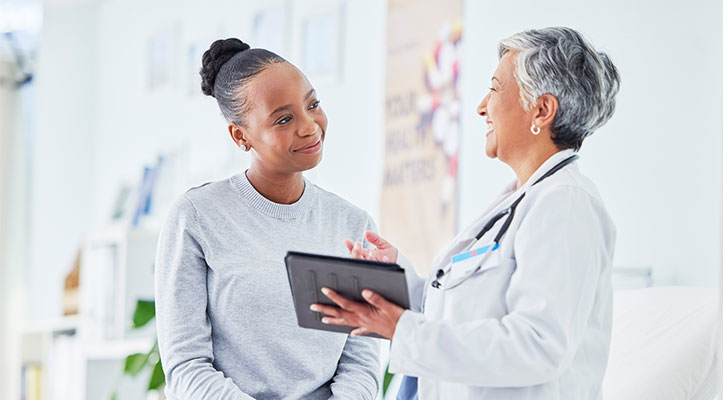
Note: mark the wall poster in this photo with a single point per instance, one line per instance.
(422, 106)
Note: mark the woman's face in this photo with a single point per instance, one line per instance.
(285, 124)
(508, 124)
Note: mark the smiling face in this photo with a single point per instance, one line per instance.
(508, 124)
(284, 124)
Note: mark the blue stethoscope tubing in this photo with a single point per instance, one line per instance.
(510, 212)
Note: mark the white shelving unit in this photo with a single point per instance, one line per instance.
(82, 356)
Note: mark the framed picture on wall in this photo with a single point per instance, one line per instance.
(270, 28)
(194, 52)
(320, 38)
(159, 64)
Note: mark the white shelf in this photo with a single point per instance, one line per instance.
(67, 324)
(117, 349)
(82, 356)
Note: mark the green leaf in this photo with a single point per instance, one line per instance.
(135, 363)
(145, 311)
(387, 379)
(157, 377)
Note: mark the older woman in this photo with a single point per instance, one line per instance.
(519, 304)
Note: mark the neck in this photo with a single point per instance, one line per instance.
(528, 163)
(279, 188)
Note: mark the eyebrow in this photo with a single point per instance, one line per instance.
(288, 106)
(495, 79)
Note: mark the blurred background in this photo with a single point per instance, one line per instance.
(103, 124)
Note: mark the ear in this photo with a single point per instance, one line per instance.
(239, 136)
(545, 111)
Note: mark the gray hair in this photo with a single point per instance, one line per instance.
(560, 62)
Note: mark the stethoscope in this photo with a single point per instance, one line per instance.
(510, 212)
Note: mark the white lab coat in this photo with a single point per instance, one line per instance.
(535, 322)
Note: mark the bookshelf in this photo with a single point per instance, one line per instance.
(81, 356)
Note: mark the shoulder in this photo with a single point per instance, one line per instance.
(333, 203)
(568, 182)
(210, 194)
(568, 192)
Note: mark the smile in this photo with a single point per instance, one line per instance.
(312, 148)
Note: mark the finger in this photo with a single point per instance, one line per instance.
(385, 259)
(334, 321)
(327, 310)
(376, 240)
(359, 332)
(376, 300)
(342, 302)
(357, 250)
(349, 244)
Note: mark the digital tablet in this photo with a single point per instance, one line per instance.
(309, 273)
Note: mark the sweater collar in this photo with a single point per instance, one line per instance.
(280, 211)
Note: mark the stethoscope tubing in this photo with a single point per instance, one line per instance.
(510, 212)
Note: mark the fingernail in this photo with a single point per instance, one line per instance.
(313, 307)
(325, 321)
(367, 293)
(325, 290)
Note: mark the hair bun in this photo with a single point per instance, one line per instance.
(214, 58)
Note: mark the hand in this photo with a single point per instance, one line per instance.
(377, 315)
(384, 251)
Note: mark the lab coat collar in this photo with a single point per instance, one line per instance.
(504, 199)
(547, 165)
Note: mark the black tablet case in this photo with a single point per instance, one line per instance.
(309, 273)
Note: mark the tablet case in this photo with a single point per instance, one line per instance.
(309, 273)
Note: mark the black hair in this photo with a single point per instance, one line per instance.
(226, 67)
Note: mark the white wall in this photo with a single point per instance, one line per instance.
(658, 162)
(6, 109)
(62, 149)
(15, 120)
(135, 123)
(99, 123)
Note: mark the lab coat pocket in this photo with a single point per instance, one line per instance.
(486, 262)
(482, 294)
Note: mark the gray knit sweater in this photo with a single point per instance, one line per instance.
(226, 322)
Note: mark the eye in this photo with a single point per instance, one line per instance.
(315, 104)
(283, 120)
(493, 89)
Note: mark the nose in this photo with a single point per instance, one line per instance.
(308, 127)
(483, 106)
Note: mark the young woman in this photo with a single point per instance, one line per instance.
(226, 322)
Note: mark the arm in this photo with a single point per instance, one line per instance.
(550, 298)
(415, 282)
(184, 331)
(358, 370)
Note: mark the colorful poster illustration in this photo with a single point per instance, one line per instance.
(422, 142)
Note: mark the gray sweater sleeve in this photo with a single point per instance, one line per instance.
(354, 377)
(184, 331)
